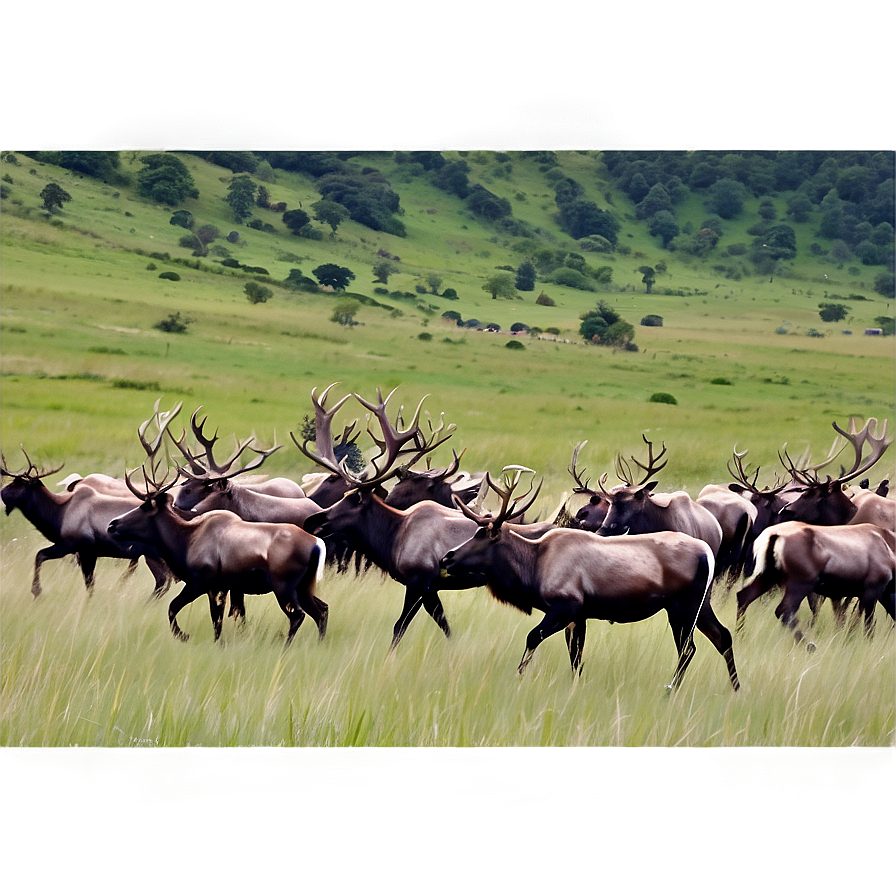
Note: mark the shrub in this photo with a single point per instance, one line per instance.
(256, 293)
(572, 278)
(721, 381)
(663, 398)
(174, 323)
(424, 337)
(519, 328)
(545, 299)
(651, 320)
(169, 275)
(183, 219)
(450, 294)
(514, 344)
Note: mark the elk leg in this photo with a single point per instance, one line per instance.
(216, 608)
(555, 619)
(708, 623)
(87, 562)
(317, 610)
(684, 643)
(755, 589)
(787, 609)
(160, 573)
(237, 606)
(53, 552)
(814, 601)
(433, 605)
(413, 600)
(575, 644)
(187, 596)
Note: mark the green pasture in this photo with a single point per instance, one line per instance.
(82, 365)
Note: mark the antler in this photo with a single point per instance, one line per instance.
(508, 510)
(624, 471)
(394, 439)
(748, 482)
(878, 442)
(581, 487)
(154, 485)
(325, 455)
(30, 472)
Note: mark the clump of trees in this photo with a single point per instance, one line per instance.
(333, 275)
(53, 197)
(165, 179)
(604, 326)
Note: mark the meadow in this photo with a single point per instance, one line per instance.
(82, 365)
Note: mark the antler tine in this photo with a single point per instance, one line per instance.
(804, 477)
(624, 471)
(31, 471)
(325, 455)
(582, 488)
(858, 439)
(515, 508)
(163, 420)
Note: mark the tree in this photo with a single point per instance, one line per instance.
(664, 226)
(328, 212)
(486, 204)
(649, 277)
(525, 276)
(657, 200)
(799, 207)
(241, 197)
(582, 217)
(433, 281)
(604, 325)
(256, 293)
(333, 275)
(885, 284)
(54, 196)
(779, 241)
(382, 270)
(296, 219)
(500, 285)
(344, 312)
(183, 219)
(726, 198)
(830, 312)
(164, 178)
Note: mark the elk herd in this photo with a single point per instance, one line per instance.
(626, 554)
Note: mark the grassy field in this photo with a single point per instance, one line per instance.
(82, 365)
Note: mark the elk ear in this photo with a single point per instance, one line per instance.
(645, 490)
(736, 487)
(595, 500)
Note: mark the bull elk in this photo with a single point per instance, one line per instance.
(219, 552)
(590, 517)
(636, 510)
(572, 576)
(824, 503)
(834, 561)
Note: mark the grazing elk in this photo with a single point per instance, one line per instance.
(407, 544)
(211, 485)
(834, 561)
(824, 503)
(219, 552)
(572, 576)
(635, 510)
(75, 522)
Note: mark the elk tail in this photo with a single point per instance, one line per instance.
(321, 556)
(764, 555)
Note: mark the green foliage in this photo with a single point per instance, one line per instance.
(604, 325)
(344, 312)
(169, 275)
(514, 344)
(182, 218)
(887, 324)
(831, 312)
(165, 179)
(500, 286)
(174, 323)
(885, 284)
(367, 195)
(384, 269)
(583, 218)
(663, 398)
(663, 225)
(451, 294)
(433, 281)
(545, 299)
(572, 278)
(295, 219)
(726, 198)
(241, 197)
(720, 381)
(486, 204)
(333, 275)
(651, 320)
(53, 197)
(256, 293)
(425, 336)
(648, 276)
(329, 212)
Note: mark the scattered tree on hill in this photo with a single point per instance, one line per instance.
(486, 204)
(433, 281)
(333, 275)
(295, 219)
(182, 218)
(256, 293)
(454, 317)
(525, 276)
(344, 312)
(603, 325)
(664, 226)
(500, 284)
(241, 197)
(164, 178)
(383, 270)
(54, 196)
(582, 217)
(885, 284)
(726, 198)
(887, 325)
(831, 312)
(545, 299)
(328, 212)
(648, 278)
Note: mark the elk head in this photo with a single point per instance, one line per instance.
(630, 502)
(593, 513)
(767, 501)
(23, 481)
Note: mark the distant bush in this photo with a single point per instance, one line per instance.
(183, 219)
(256, 293)
(663, 398)
(230, 263)
(174, 323)
(169, 275)
(424, 337)
(572, 278)
(721, 381)
(545, 299)
(138, 385)
(514, 344)
(651, 320)
(450, 294)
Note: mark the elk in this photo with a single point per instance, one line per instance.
(407, 544)
(75, 522)
(439, 485)
(824, 503)
(635, 510)
(219, 552)
(834, 561)
(572, 576)
(211, 485)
